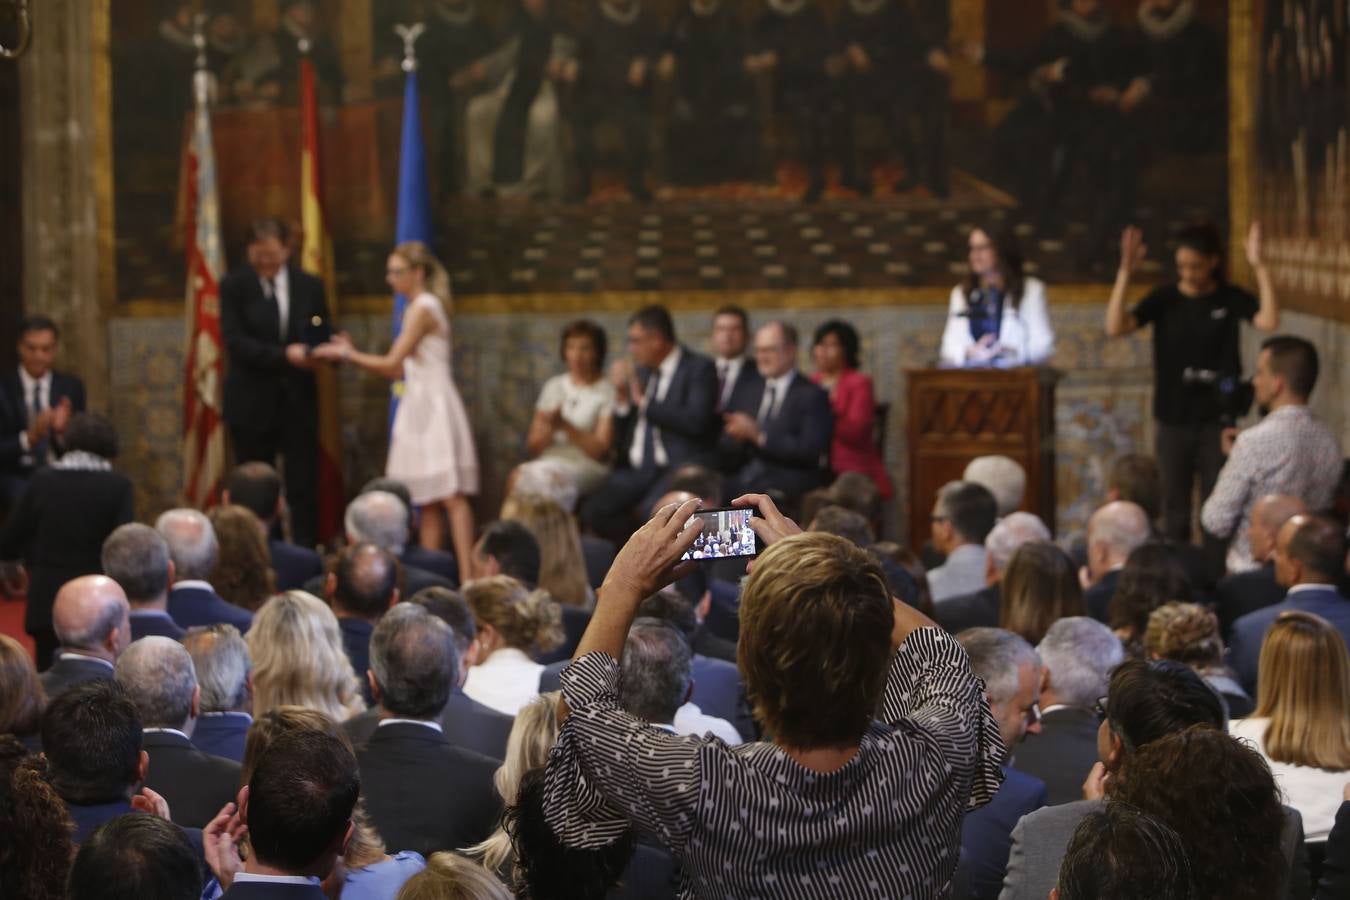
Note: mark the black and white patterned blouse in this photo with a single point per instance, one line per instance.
(749, 822)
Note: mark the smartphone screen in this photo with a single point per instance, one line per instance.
(726, 533)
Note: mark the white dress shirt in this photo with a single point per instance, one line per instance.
(666, 372)
(505, 681)
(728, 370)
(779, 387)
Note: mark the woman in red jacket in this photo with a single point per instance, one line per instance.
(854, 448)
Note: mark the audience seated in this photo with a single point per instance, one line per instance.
(818, 649)
(1114, 531)
(298, 658)
(137, 558)
(157, 675)
(36, 850)
(508, 548)
(297, 807)
(256, 486)
(1145, 701)
(61, 519)
(369, 871)
(1039, 588)
(243, 574)
(193, 550)
(656, 682)
(142, 857)
(1302, 720)
(1119, 853)
(449, 876)
(361, 587)
(381, 518)
(728, 340)
(1153, 574)
(1335, 880)
(851, 490)
(514, 624)
(1309, 561)
(853, 448)
(1078, 655)
(1012, 679)
(22, 698)
(93, 625)
(423, 793)
(1244, 592)
(1003, 477)
(1189, 633)
(981, 608)
(225, 676)
(437, 562)
(963, 516)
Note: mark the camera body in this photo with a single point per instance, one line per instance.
(1235, 394)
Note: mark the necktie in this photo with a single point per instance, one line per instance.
(766, 408)
(271, 288)
(39, 451)
(35, 406)
(648, 438)
(721, 382)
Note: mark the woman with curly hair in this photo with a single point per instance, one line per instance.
(243, 573)
(299, 660)
(1153, 575)
(1189, 633)
(514, 625)
(36, 849)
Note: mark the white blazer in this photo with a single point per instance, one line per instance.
(1025, 332)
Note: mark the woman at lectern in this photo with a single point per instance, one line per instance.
(998, 316)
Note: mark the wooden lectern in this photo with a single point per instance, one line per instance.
(956, 415)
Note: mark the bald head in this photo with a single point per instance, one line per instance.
(1309, 550)
(90, 615)
(1269, 513)
(365, 581)
(1113, 532)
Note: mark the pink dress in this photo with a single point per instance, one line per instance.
(431, 444)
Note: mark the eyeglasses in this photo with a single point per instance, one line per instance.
(1099, 709)
(396, 270)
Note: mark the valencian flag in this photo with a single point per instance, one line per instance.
(414, 203)
(316, 257)
(203, 433)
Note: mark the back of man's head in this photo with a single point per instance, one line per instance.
(671, 607)
(256, 486)
(300, 800)
(1295, 360)
(1147, 700)
(970, 508)
(192, 543)
(1319, 544)
(1003, 476)
(377, 517)
(844, 523)
(86, 613)
(1114, 531)
(656, 671)
(91, 736)
(1011, 532)
(221, 659)
(997, 656)
(1079, 653)
(366, 580)
(701, 481)
(391, 486)
(158, 676)
(515, 549)
(137, 557)
(1120, 853)
(452, 609)
(1134, 477)
(412, 654)
(138, 856)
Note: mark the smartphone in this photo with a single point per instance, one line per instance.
(726, 534)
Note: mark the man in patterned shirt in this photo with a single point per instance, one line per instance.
(1289, 452)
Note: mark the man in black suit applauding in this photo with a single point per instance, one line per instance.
(667, 410)
(271, 313)
(36, 402)
(784, 434)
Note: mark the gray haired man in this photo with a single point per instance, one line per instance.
(225, 676)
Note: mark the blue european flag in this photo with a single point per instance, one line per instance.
(414, 201)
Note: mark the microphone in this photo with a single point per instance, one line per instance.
(975, 303)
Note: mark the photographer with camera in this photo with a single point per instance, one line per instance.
(1289, 452)
(1196, 361)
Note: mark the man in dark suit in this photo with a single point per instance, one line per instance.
(381, 518)
(1113, 532)
(90, 617)
(194, 551)
(225, 677)
(437, 562)
(784, 435)
(157, 674)
(36, 402)
(667, 412)
(730, 338)
(136, 556)
(362, 587)
(271, 313)
(980, 609)
(1077, 656)
(297, 807)
(1309, 560)
(256, 486)
(423, 793)
(1246, 592)
(464, 722)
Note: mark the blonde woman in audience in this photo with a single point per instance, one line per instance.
(1302, 719)
(369, 871)
(243, 573)
(298, 658)
(532, 736)
(514, 624)
(449, 876)
(1040, 587)
(1189, 633)
(21, 696)
(562, 567)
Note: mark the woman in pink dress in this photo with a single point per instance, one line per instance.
(431, 446)
(853, 448)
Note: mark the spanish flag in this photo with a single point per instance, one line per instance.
(316, 257)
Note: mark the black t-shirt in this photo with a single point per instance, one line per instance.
(1193, 332)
